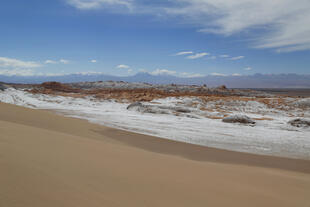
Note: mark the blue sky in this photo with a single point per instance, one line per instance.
(182, 37)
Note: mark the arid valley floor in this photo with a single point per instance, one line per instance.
(48, 159)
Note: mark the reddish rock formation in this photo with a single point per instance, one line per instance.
(139, 94)
(56, 86)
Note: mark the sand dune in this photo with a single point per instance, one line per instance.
(49, 160)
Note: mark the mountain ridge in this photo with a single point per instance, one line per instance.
(231, 81)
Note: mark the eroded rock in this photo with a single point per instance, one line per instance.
(134, 105)
(300, 122)
(303, 103)
(243, 119)
(56, 86)
(156, 109)
(2, 87)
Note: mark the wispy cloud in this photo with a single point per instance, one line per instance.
(224, 56)
(17, 72)
(237, 58)
(143, 71)
(64, 61)
(212, 57)
(175, 73)
(14, 63)
(184, 53)
(97, 4)
(282, 23)
(191, 75)
(89, 73)
(248, 68)
(225, 75)
(50, 62)
(31, 72)
(122, 66)
(218, 74)
(163, 72)
(93, 61)
(197, 55)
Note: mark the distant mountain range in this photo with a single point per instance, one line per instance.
(250, 81)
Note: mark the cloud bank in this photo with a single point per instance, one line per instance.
(14, 63)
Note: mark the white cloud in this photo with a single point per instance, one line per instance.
(48, 74)
(184, 53)
(191, 75)
(143, 71)
(218, 74)
(14, 63)
(89, 73)
(224, 56)
(174, 73)
(17, 72)
(212, 57)
(248, 68)
(64, 61)
(163, 72)
(236, 74)
(96, 4)
(93, 61)
(122, 66)
(282, 24)
(50, 62)
(129, 70)
(76, 73)
(237, 58)
(30, 72)
(197, 55)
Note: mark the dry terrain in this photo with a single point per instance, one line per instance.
(49, 160)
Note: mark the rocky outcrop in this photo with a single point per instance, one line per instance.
(303, 103)
(136, 92)
(300, 122)
(56, 86)
(222, 87)
(2, 87)
(134, 105)
(156, 109)
(243, 119)
(143, 108)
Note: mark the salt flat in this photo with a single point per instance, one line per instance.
(271, 135)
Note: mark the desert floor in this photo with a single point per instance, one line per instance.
(47, 160)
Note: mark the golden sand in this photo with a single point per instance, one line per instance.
(48, 160)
